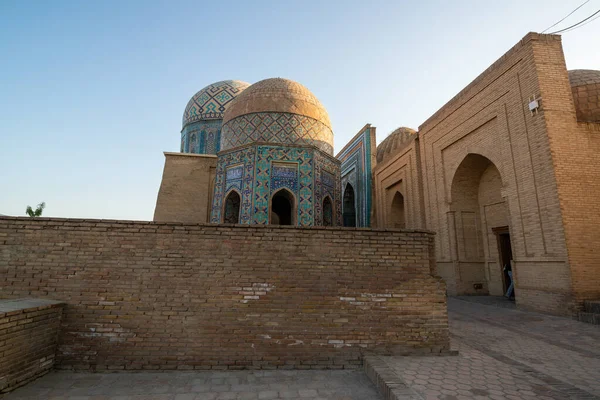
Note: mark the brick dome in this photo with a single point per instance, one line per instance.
(278, 111)
(394, 142)
(585, 86)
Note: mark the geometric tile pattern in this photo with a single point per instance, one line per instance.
(276, 128)
(258, 171)
(284, 175)
(356, 170)
(233, 178)
(202, 137)
(327, 183)
(241, 158)
(265, 155)
(211, 102)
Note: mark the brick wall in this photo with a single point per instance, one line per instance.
(143, 295)
(575, 152)
(186, 189)
(28, 338)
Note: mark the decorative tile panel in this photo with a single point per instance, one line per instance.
(276, 128)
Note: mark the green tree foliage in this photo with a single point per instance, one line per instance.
(37, 212)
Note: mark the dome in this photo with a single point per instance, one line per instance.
(394, 142)
(585, 86)
(212, 101)
(277, 111)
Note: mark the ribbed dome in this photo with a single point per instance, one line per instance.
(585, 85)
(278, 111)
(394, 142)
(212, 101)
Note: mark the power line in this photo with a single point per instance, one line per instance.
(591, 20)
(567, 16)
(575, 25)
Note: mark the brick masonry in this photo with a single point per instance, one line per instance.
(147, 295)
(28, 339)
(484, 162)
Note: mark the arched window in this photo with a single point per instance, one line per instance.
(349, 210)
(283, 208)
(193, 144)
(231, 214)
(327, 212)
(397, 215)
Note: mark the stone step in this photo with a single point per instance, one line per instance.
(590, 318)
(592, 306)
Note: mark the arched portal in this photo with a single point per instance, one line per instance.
(231, 213)
(283, 206)
(479, 211)
(397, 213)
(349, 207)
(327, 211)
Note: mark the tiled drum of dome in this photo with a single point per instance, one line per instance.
(211, 102)
(207, 135)
(276, 127)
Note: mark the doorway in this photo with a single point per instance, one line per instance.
(349, 207)
(505, 255)
(282, 208)
(232, 208)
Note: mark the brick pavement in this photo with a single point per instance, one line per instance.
(503, 354)
(233, 385)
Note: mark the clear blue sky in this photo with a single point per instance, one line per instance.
(92, 92)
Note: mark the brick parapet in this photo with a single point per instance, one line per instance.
(147, 295)
(28, 340)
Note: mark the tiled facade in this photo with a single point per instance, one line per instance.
(358, 160)
(257, 172)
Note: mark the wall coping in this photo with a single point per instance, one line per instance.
(207, 225)
(24, 304)
(170, 153)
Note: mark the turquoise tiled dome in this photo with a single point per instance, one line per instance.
(212, 101)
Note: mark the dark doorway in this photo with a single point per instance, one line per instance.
(398, 217)
(327, 212)
(282, 207)
(349, 209)
(505, 253)
(232, 208)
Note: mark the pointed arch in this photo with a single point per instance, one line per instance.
(397, 214)
(328, 214)
(231, 208)
(349, 206)
(282, 208)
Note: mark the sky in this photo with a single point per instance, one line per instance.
(92, 92)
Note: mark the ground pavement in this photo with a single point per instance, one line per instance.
(503, 354)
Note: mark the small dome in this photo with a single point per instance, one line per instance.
(585, 86)
(212, 101)
(277, 110)
(394, 142)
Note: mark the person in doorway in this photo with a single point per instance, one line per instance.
(509, 292)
